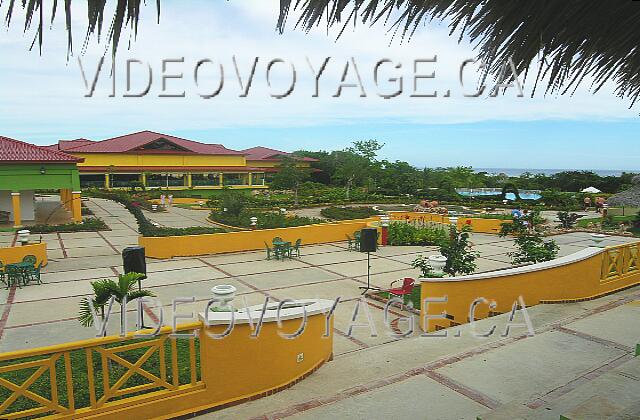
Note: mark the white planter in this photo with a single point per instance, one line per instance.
(437, 263)
(23, 236)
(597, 238)
(223, 293)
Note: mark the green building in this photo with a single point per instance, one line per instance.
(25, 168)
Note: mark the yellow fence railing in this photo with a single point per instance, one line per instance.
(82, 378)
(620, 261)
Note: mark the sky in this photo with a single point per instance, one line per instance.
(42, 97)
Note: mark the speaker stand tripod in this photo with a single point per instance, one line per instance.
(368, 287)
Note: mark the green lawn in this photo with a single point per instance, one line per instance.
(42, 386)
(583, 222)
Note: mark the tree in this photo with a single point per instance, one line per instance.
(290, 176)
(461, 259)
(569, 42)
(104, 289)
(356, 163)
(232, 200)
(531, 247)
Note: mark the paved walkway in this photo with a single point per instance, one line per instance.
(578, 349)
(180, 218)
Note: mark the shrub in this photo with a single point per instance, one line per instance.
(266, 219)
(348, 213)
(89, 224)
(233, 201)
(531, 247)
(401, 233)
(567, 220)
(460, 257)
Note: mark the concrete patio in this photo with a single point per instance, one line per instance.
(578, 348)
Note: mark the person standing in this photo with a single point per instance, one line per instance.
(162, 200)
(170, 200)
(587, 203)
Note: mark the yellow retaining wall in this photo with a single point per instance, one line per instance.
(15, 254)
(216, 243)
(234, 369)
(587, 274)
(479, 225)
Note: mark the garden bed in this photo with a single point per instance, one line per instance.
(266, 219)
(89, 224)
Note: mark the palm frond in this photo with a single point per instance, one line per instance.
(127, 13)
(568, 41)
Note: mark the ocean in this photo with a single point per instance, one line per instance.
(518, 171)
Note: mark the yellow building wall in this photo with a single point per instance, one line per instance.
(216, 243)
(581, 280)
(234, 369)
(478, 225)
(15, 254)
(159, 160)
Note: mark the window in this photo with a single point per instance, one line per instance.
(166, 180)
(205, 180)
(123, 180)
(236, 179)
(92, 180)
(257, 178)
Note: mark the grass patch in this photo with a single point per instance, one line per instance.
(42, 385)
(615, 219)
(348, 213)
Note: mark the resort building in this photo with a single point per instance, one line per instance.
(25, 168)
(160, 160)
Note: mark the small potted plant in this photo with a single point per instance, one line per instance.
(424, 264)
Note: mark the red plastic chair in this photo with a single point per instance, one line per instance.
(406, 289)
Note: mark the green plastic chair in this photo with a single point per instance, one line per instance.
(33, 274)
(277, 239)
(2, 274)
(286, 250)
(356, 241)
(269, 250)
(13, 276)
(296, 248)
(350, 243)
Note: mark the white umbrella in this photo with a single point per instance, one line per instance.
(591, 190)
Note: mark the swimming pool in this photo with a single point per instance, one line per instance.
(479, 192)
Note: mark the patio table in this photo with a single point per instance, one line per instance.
(22, 268)
(280, 247)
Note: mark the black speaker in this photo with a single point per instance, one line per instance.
(133, 260)
(368, 240)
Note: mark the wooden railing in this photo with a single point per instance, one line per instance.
(83, 377)
(620, 261)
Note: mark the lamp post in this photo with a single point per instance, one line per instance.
(254, 222)
(384, 222)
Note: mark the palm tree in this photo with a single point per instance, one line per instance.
(570, 41)
(104, 289)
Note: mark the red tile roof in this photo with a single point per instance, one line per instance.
(131, 142)
(265, 153)
(69, 144)
(18, 151)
